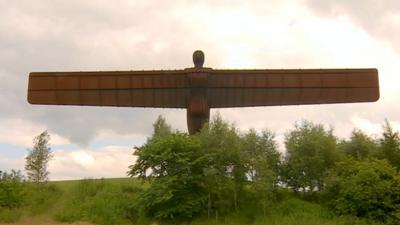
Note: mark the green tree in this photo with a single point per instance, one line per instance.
(161, 127)
(365, 189)
(11, 186)
(360, 146)
(226, 167)
(390, 145)
(261, 150)
(311, 152)
(263, 163)
(175, 162)
(38, 158)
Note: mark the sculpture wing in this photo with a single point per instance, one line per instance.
(224, 88)
(163, 88)
(242, 88)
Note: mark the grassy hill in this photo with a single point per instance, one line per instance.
(108, 201)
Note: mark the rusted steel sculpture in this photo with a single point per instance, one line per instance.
(198, 89)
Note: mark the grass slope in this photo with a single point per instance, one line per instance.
(107, 202)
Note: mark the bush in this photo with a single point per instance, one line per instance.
(176, 161)
(11, 187)
(365, 189)
(100, 202)
(39, 198)
(68, 216)
(311, 152)
(87, 188)
(9, 215)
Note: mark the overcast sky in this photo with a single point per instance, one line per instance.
(55, 35)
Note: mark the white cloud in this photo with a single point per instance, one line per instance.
(82, 158)
(104, 162)
(99, 35)
(107, 162)
(366, 125)
(8, 164)
(373, 128)
(380, 18)
(20, 132)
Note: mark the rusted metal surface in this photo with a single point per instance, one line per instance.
(316, 78)
(246, 97)
(198, 89)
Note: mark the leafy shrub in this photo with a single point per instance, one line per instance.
(99, 202)
(311, 152)
(366, 189)
(9, 215)
(69, 216)
(11, 189)
(41, 197)
(88, 188)
(176, 162)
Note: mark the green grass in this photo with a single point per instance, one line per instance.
(100, 201)
(108, 202)
(289, 210)
(10, 215)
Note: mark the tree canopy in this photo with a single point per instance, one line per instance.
(311, 152)
(366, 189)
(390, 145)
(360, 146)
(36, 161)
(207, 173)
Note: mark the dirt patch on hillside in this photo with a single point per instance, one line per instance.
(42, 221)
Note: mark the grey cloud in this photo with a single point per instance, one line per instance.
(379, 18)
(100, 35)
(56, 36)
(90, 35)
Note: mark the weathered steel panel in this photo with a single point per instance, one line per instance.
(68, 97)
(197, 80)
(162, 98)
(335, 80)
(109, 89)
(90, 97)
(67, 83)
(42, 83)
(274, 81)
(89, 83)
(198, 89)
(108, 82)
(42, 97)
(294, 78)
(236, 89)
(246, 97)
(311, 80)
(108, 97)
(136, 82)
(123, 82)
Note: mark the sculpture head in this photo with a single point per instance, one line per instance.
(198, 59)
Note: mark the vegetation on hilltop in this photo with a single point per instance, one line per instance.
(36, 161)
(224, 176)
